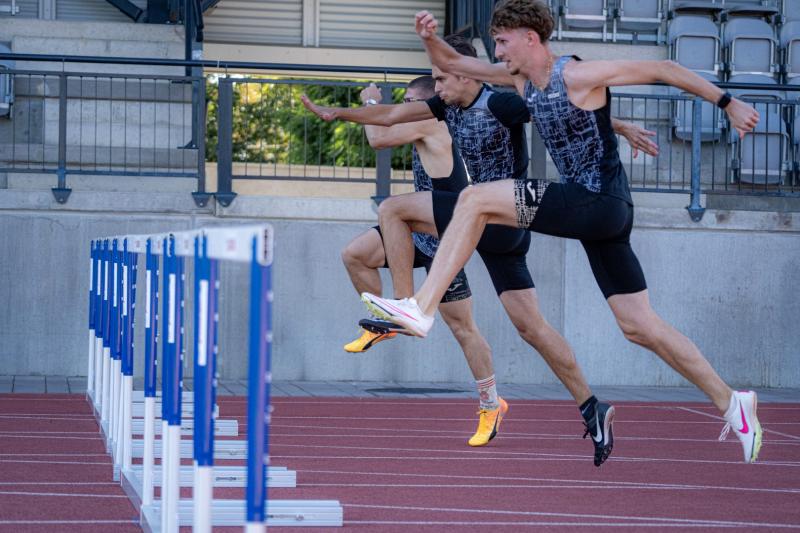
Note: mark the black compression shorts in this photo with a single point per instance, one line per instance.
(602, 223)
(502, 249)
(459, 287)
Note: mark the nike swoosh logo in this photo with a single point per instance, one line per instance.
(531, 190)
(394, 309)
(745, 427)
(599, 436)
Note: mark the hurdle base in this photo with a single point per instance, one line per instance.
(302, 513)
(224, 476)
(222, 427)
(223, 449)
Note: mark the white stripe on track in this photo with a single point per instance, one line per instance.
(405, 434)
(54, 454)
(52, 483)
(49, 437)
(634, 519)
(82, 463)
(60, 494)
(642, 486)
(511, 418)
(65, 522)
(527, 523)
(475, 454)
(544, 457)
(583, 482)
(766, 430)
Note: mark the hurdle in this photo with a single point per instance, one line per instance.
(120, 423)
(111, 319)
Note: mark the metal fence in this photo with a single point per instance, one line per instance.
(262, 131)
(98, 123)
(257, 129)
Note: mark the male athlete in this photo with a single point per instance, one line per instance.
(436, 165)
(569, 101)
(488, 128)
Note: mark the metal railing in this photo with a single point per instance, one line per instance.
(264, 132)
(257, 129)
(98, 123)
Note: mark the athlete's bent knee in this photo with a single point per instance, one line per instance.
(637, 331)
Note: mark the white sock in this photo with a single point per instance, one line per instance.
(487, 392)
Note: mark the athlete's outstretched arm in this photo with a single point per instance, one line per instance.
(586, 76)
(379, 115)
(637, 137)
(380, 137)
(443, 56)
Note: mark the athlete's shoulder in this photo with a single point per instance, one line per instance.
(508, 107)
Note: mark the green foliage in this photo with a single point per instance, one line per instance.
(271, 126)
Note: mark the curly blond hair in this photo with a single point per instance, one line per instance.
(532, 14)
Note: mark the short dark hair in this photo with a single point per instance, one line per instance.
(424, 84)
(461, 45)
(531, 14)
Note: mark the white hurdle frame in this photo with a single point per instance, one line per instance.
(111, 319)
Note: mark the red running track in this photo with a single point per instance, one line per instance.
(403, 465)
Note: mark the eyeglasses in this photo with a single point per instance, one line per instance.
(408, 99)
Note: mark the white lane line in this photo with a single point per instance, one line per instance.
(52, 483)
(527, 523)
(54, 416)
(487, 453)
(49, 437)
(523, 403)
(391, 419)
(766, 430)
(543, 457)
(651, 519)
(15, 432)
(431, 434)
(583, 482)
(641, 486)
(82, 463)
(53, 454)
(61, 494)
(65, 522)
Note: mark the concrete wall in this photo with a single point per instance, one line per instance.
(729, 282)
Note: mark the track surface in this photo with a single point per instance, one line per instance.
(403, 465)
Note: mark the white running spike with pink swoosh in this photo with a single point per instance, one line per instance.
(405, 312)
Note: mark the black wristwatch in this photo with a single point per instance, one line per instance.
(724, 100)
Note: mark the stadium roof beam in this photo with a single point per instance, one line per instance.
(129, 9)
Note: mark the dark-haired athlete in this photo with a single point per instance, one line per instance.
(437, 166)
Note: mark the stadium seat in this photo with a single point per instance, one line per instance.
(639, 15)
(584, 15)
(749, 46)
(707, 8)
(790, 45)
(694, 43)
(762, 157)
(790, 10)
(710, 127)
(6, 83)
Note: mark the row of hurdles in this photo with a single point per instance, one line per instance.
(128, 418)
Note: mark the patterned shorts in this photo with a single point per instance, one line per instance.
(527, 198)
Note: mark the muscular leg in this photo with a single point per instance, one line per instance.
(522, 307)
(641, 325)
(486, 203)
(458, 317)
(399, 216)
(362, 257)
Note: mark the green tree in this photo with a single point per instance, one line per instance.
(270, 125)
